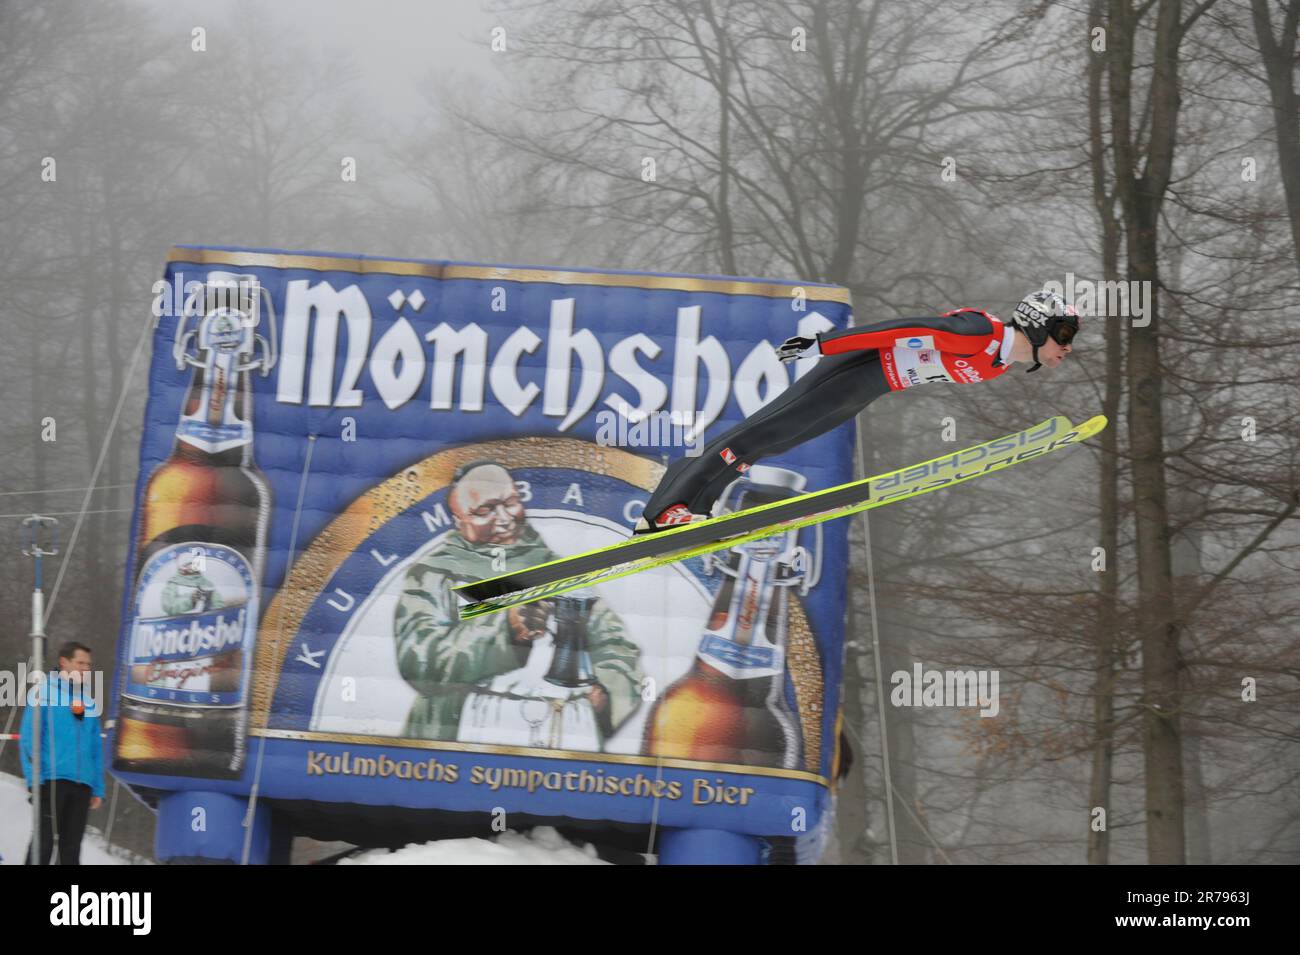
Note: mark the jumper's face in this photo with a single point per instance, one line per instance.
(486, 507)
(1051, 353)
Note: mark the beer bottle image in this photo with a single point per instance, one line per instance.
(730, 707)
(200, 546)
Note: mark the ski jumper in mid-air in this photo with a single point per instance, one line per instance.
(859, 365)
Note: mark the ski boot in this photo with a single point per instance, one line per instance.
(673, 516)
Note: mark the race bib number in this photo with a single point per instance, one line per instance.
(918, 365)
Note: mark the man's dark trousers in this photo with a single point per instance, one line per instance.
(69, 803)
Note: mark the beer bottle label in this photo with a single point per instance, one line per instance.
(212, 438)
(741, 662)
(194, 624)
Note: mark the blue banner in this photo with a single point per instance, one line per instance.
(331, 443)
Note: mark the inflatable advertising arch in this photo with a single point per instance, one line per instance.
(331, 443)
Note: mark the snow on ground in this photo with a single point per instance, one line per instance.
(16, 830)
(542, 846)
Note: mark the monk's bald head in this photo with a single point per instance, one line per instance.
(485, 505)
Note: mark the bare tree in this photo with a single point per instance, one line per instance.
(1277, 53)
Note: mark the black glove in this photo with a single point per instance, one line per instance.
(793, 348)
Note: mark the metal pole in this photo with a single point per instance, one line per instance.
(40, 543)
(251, 814)
(861, 455)
(38, 665)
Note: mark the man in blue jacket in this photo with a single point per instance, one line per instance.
(72, 756)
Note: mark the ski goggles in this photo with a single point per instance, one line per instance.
(1063, 329)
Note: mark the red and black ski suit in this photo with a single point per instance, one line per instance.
(858, 366)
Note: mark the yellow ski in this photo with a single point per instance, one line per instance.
(703, 537)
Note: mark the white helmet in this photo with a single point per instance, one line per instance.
(1045, 314)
